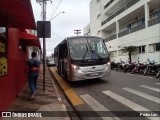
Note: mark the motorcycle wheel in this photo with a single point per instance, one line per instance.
(158, 74)
(145, 72)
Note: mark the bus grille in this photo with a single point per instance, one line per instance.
(94, 74)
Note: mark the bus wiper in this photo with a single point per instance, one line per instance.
(94, 52)
(85, 53)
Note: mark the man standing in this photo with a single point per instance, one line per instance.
(34, 70)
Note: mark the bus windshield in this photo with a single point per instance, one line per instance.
(87, 48)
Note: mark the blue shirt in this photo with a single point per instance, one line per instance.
(34, 61)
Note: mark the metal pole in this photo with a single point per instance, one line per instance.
(44, 45)
(77, 32)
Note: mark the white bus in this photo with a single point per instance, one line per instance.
(82, 57)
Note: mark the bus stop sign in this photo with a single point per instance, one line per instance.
(43, 29)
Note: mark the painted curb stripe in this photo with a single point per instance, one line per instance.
(71, 95)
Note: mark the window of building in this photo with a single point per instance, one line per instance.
(142, 49)
(3, 53)
(154, 47)
(155, 14)
(157, 46)
(134, 24)
(151, 48)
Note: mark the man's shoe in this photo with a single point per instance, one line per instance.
(33, 94)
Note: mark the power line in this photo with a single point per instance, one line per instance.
(56, 35)
(55, 10)
(56, 15)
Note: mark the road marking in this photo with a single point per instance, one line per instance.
(139, 76)
(151, 88)
(157, 83)
(128, 103)
(71, 95)
(96, 106)
(144, 95)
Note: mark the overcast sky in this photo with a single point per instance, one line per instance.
(76, 16)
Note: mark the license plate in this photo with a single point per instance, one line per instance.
(94, 74)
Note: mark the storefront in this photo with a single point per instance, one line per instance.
(15, 18)
(3, 56)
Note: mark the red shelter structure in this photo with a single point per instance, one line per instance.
(15, 17)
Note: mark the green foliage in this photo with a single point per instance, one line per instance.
(129, 49)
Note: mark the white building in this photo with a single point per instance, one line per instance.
(123, 23)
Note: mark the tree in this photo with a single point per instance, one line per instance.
(130, 50)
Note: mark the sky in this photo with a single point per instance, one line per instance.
(76, 16)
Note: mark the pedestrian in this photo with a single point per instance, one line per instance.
(34, 71)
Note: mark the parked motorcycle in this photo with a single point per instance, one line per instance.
(120, 65)
(113, 64)
(129, 66)
(158, 73)
(139, 67)
(151, 67)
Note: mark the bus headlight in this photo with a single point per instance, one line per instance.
(75, 67)
(109, 63)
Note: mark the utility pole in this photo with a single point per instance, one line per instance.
(44, 3)
(77, 32)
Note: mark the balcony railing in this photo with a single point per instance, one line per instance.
(114, 36)
(123, 33)
(110, 18)
(132, 2)
(136, 28)
(104, 22)
(154, 21)
(129, 4)
(120, 11)
(108, 4)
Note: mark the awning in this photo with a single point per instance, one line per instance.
(16, 14)
(29, 40)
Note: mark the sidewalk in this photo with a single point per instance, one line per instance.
(49, 100)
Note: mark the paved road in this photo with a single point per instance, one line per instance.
(120, 92)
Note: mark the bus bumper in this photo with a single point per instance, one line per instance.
(78, 75)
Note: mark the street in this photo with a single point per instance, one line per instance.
(122, 94)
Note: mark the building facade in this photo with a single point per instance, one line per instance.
(15, 18)
(126, 23)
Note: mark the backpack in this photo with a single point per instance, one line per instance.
(34, 66)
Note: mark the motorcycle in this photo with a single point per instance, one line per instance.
(120, 65)
(113, 64)
(129, 66)
(158, 73)
(151, 67)
(139, 67)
